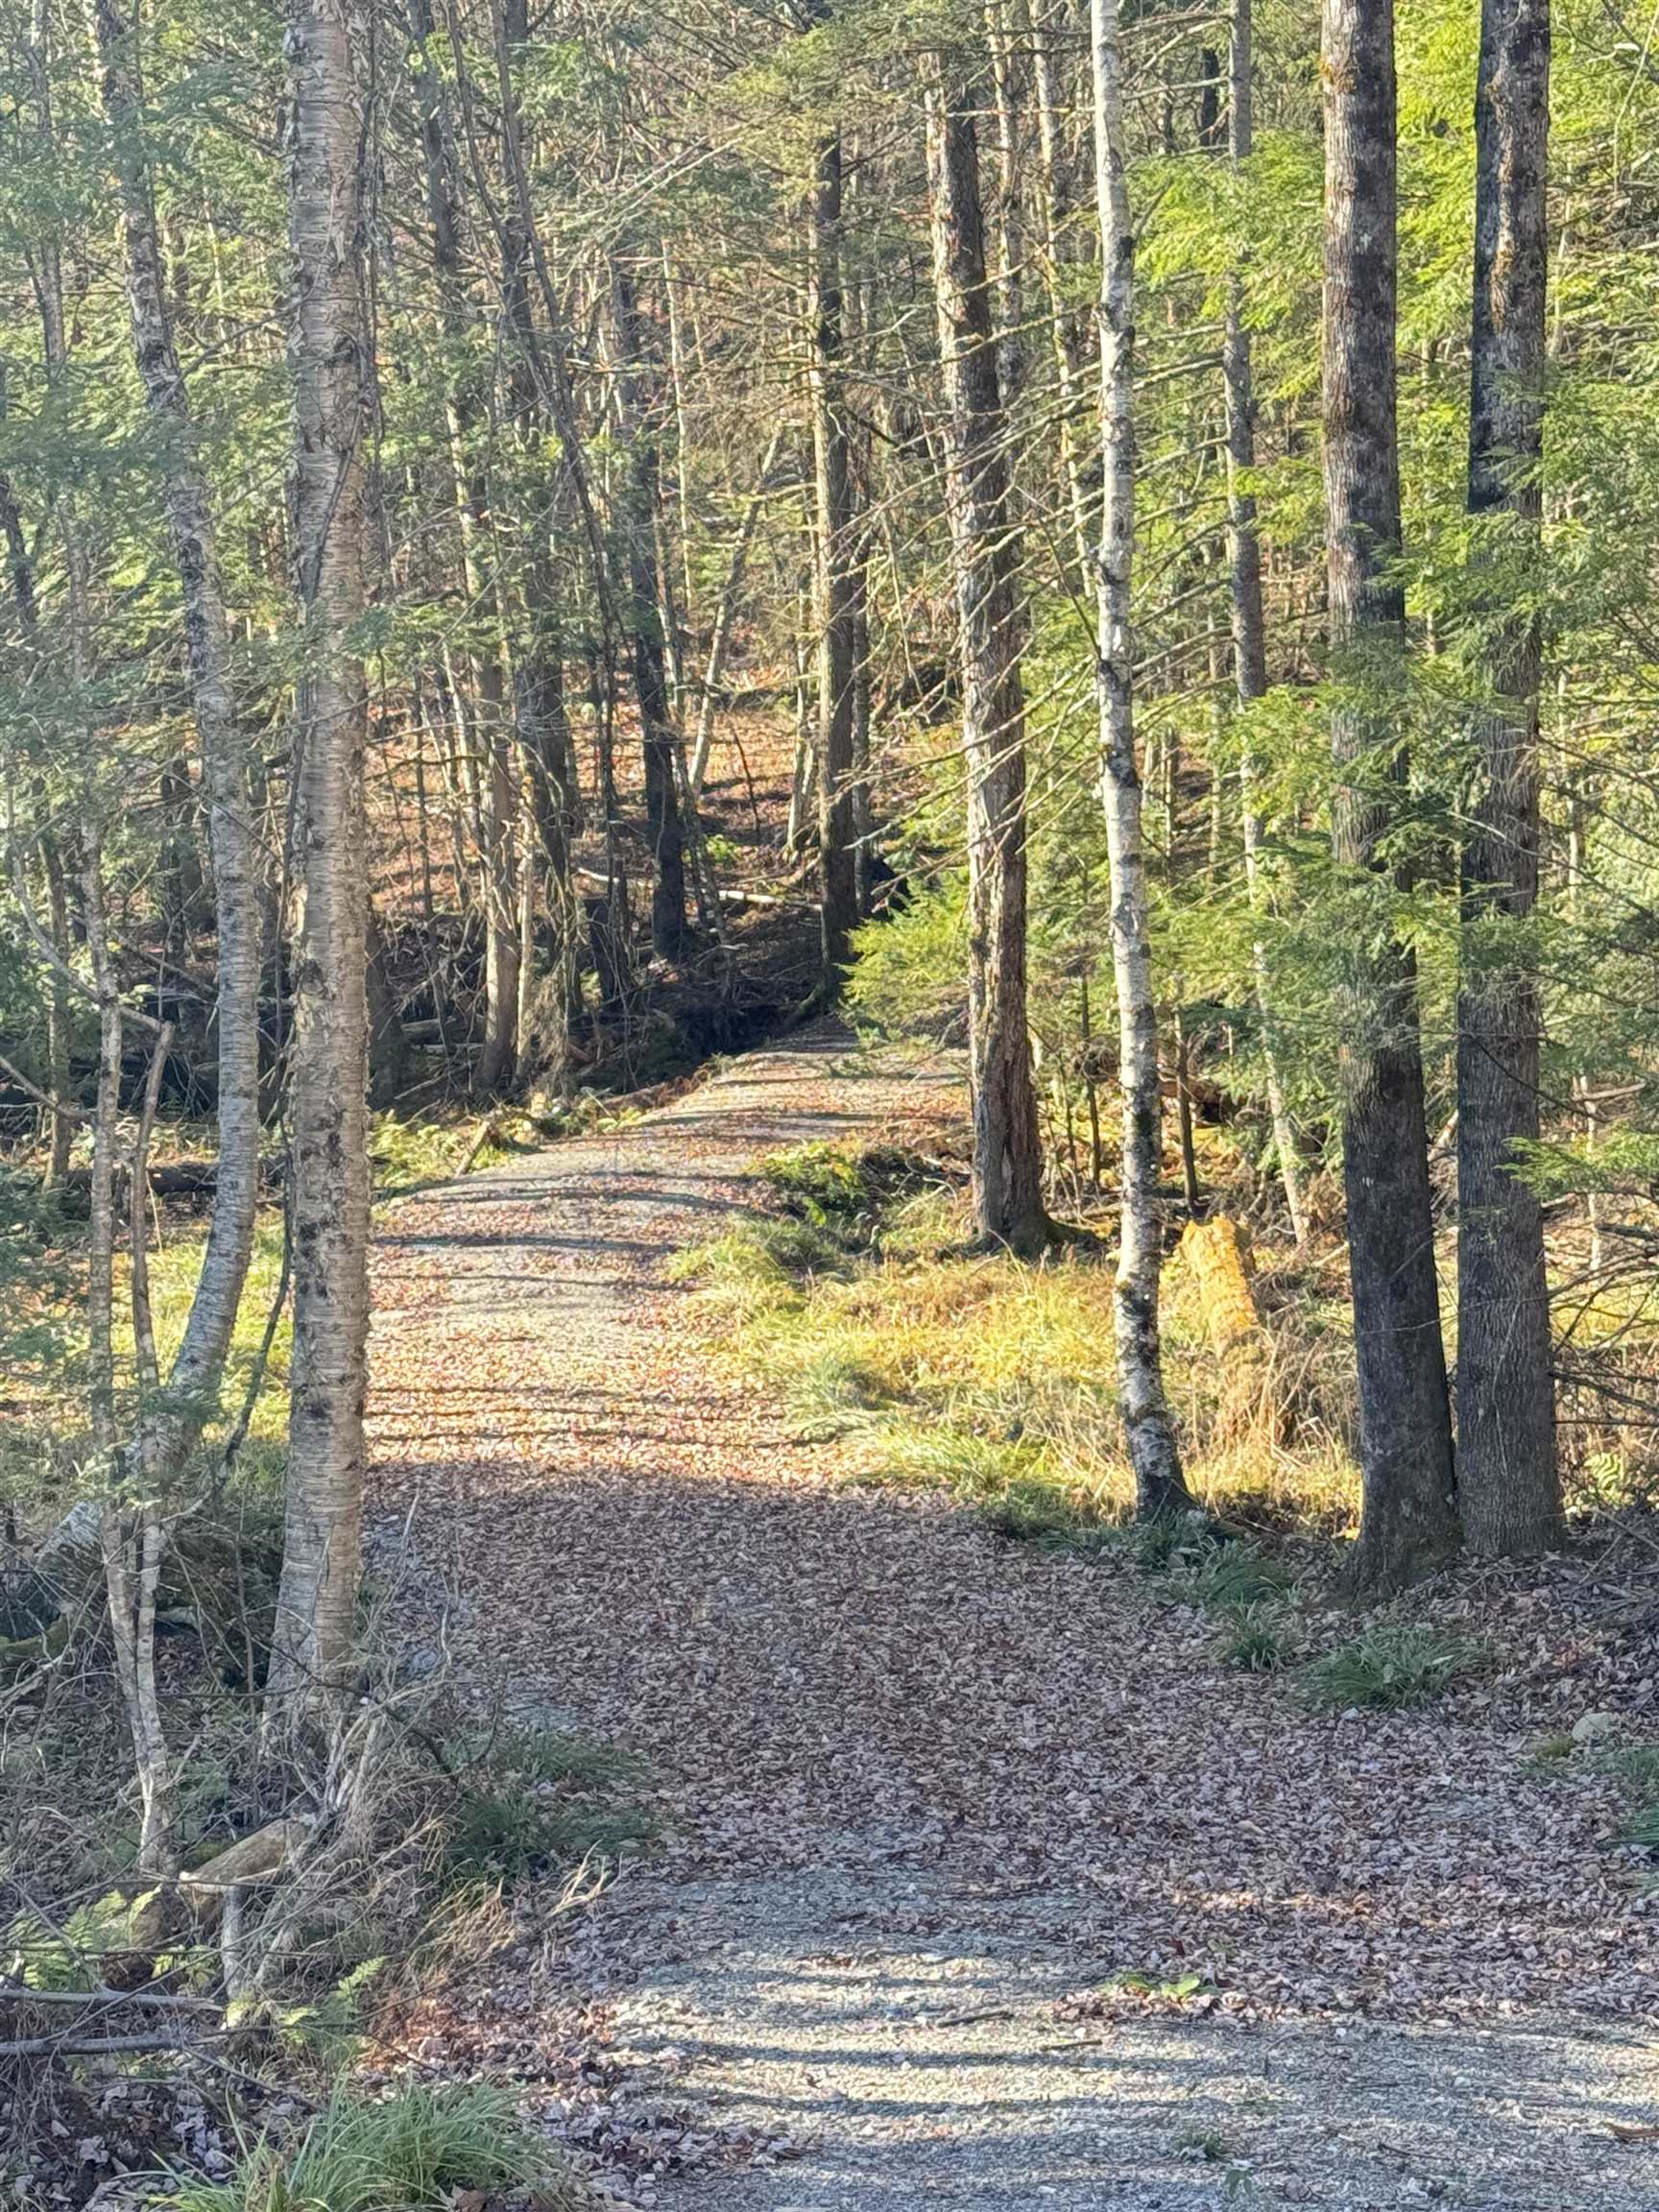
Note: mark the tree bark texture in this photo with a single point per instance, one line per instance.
(171, 1423)
(1509, 1484)
(834, 599)
(1409, 1521)
(1248, 620)
(1007, 1159)
(664, 827)
(313, 1642)
(1160, 1486)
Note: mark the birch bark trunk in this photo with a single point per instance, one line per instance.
(313, 1642)
(1408, 1523)
(1160, 1487)
(1508, 1481)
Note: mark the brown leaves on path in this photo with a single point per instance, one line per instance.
(826, 1676)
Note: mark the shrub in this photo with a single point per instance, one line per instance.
(849, 1191)
(824, 1184)
(1393, 1664)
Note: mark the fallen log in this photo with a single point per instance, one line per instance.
(183, 1178)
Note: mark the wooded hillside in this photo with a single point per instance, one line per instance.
(1107, 547)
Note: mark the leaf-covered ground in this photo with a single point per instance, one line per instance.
(863, 1698)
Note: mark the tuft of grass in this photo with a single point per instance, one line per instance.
(1550, 1756)
(1037, 1508)
(1207, 2144)
(1257, 1639)
(1393, 1663)
(831, 1394)
(1636, 1769)
(1634, 1764)
(529, 1799)
(411, 2152)
(1641, 1828)
(1228, 1575)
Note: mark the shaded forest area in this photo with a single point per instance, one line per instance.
(1109, 549)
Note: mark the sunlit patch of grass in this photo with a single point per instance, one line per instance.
(829, 1395)
(756, 1272)
(985, 1376)
(175, 1265)
(406, 1152)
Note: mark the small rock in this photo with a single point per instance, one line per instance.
(1595, 1727)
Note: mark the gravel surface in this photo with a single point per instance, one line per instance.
(906, 2033)
(910, 1769)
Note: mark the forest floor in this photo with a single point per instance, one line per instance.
(981, 1884)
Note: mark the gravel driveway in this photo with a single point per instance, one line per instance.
(922, 1784)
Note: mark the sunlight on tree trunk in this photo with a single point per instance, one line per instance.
(314, 1640)
(1160, 1487)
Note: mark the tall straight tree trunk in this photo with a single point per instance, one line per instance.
(1007, 1161)
(1048, 31)
(553, 811)
(1408, 1523)
(21, 566)
(313, 1642)
(172, 1421)
(1160, 1487)
(664, 826)
(1249, 625)
(497, 782)
(836, 610)
(1509, 1484)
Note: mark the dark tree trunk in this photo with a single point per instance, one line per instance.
(837, 608)
(551, 785)
(664, 826)
(1509, 1487)
(497, 796)
(1248, 620)
(1408, 1524)
(1007, 1161)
